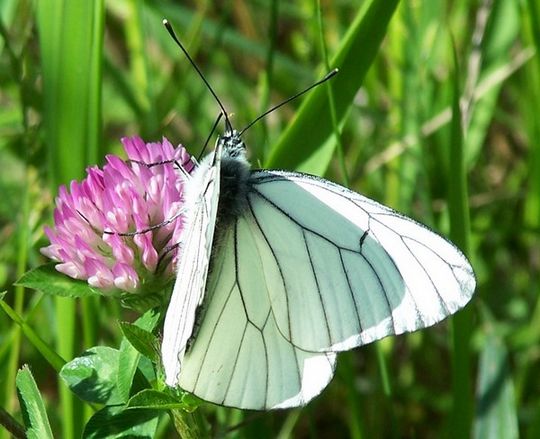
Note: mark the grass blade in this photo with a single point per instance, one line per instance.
(71, 39)
(313, 124)
(49, 354)
(460, 424)
(496, 407)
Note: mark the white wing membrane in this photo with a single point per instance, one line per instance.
(239, 357)
(311, 269)
(190, 285)
(338, 250)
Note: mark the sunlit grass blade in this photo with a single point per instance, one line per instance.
(331, 100)
(461, 417)
(495, 35)
(71, 39)
(531, 107)
(313, 124)
(528, 336)
(55, 360)
(71, 36)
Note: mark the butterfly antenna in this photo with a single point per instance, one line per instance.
(267, 112)
(177, 41)
(220, 115)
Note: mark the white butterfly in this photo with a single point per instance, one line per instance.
(279, 271)
(282, 270)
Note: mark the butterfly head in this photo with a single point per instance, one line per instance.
(232, 144)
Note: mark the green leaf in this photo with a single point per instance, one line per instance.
(148, 320)
(130, 356)
(49, 281)
(115, 422)
(128, 359)
(93, 375)
(32, 407)
(496, 413)
(154, 399)
(143, 341)
(313, 124)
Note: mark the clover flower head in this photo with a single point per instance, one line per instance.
(99, 224)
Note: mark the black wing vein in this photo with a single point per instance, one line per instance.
(351, 292)
(234, 364)
(314, 274)
(212, 334)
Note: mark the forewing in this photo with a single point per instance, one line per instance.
(240, 358)
(195, 247)
(342, 270)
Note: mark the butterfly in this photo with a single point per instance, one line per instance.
(280, 271)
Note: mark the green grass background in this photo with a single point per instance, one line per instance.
(435, 112)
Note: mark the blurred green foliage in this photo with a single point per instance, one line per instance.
(77, 76)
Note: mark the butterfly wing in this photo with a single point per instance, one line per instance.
(348, 270)
(240, 358)
(310, 269)
(201, 201)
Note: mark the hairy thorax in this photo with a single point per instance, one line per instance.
(234, 179)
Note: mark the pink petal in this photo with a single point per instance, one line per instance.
(99, 275)
(72, 269)
(125, 277)
(121, 252)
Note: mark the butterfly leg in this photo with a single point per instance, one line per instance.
(151, 228)
(191, 162)
(139, 232)
(164, 255)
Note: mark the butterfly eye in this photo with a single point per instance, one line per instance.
(233, 145)
(236, 147)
